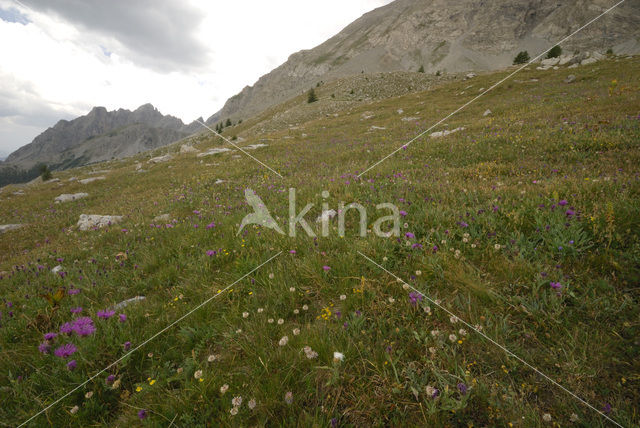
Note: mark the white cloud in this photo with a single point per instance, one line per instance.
(59, 66)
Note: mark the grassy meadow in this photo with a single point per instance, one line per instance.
(525, 225)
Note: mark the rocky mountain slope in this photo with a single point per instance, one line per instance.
(445, 35)
(101, 135)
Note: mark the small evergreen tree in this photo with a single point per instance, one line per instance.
(609, 51)
(554, 52)
(228, 123)
(45, 173)
(421, 69)
(438, 73)
(522, 58)
(311, 97)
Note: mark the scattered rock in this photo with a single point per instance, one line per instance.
(326, 216)
(186, 149)
(410, 119)
(470, 76)
(73, 179)
(573, 66)
(570, 79)
(162, 218)
(255, 146)
(56, 269)
(219, 181)
(400, 111)
(66, 197)
(373, 128)
(367, 115)
(91, 180)
(90, 221)
(588, 61)
(487, 112)
(445, 132)
(550, 62)
(214, 151)
(125, 303)
(7, 227)
(566, 59)
(18, 193)
(160, 159)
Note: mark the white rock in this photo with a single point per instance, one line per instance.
(255, 146)
(573, 66)
(90, 221)
(162, 217)
(550, 62)
(470, 75)
(56, 269)
(66, 197)
(214, 151)
(186, 149)
(570, 79)
(160, 159)
(125, 303)
(367, 115)
(544, 68)
(6, 227)
(326, 215)
(588, 61)
(219, 181)
(445, 132)
(410, 119)
(487, 112)
(400, 111)
(597, 56)
(91, 180)
(373, 128)
(565, 59)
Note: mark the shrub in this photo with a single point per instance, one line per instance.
(45, 173)
(312, 98)
(421, 69)
(554, 52)
(522, 58)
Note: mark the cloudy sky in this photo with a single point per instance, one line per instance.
(59, 58)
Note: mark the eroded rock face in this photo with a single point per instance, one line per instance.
(213, 151)
(95, 221)
(67, 197)
(451, 36)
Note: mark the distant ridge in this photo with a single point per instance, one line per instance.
(98, 136)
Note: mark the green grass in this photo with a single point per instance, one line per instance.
(546, 141)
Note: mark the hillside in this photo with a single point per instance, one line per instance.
(441, 35)
(522, 227)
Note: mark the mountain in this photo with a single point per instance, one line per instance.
(445, 35)
(100, 135)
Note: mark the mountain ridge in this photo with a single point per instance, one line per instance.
(448, 36)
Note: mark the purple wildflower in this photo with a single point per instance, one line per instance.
(73, 291)
(83, 326)
(66, 350)
(462, 388)
(110, 379)
(142, 414)
(44, 347)
(211, 253)
(66, 328)
(106, 314)
(326, 268)
(409, 235)
(563, 202)
(76, 310)
(71, 365)
(50, 336)
(122, 317)
(556, 285)
(211, 225)
(415, 298)
(127, 345)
